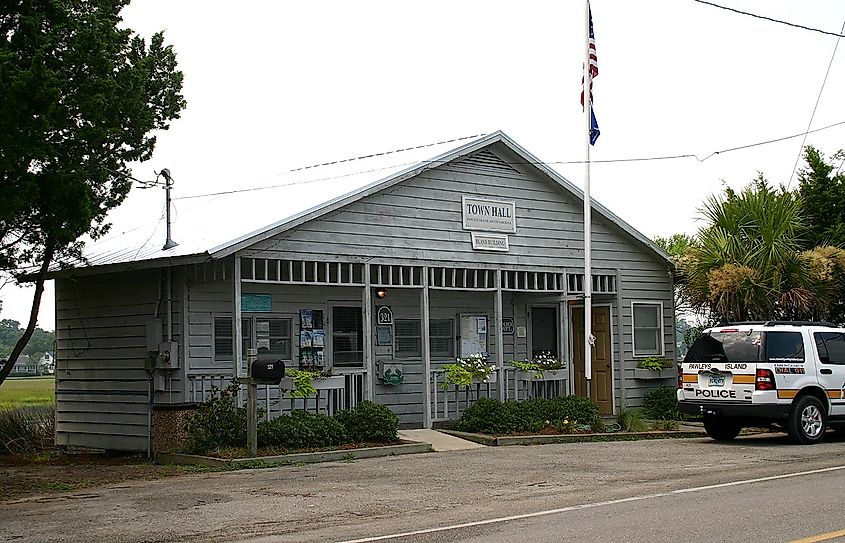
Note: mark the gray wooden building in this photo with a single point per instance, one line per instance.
(386, 268)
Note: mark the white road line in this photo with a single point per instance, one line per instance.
(588, 506)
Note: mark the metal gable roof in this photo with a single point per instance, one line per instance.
(204, 226)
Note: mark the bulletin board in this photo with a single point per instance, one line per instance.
(473, 335)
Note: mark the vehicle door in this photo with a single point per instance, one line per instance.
(831, 368)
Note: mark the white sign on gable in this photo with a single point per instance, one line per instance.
(488, 215)
(490, 242)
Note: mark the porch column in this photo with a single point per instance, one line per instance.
(238, 350)
(620, 353)
(563, 341)
(500, 339)
(426, 349)
(369, 363)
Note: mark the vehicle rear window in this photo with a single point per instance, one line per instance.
(784, 347)
(738, 346)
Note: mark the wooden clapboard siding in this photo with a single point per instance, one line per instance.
(419, 220)
(102, 389)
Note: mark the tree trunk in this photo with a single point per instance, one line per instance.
(33, 315)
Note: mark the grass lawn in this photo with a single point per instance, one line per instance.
(22, 391)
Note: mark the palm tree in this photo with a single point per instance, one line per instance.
(747, 262)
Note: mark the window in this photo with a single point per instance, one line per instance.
(648, 329)
(347, 336)
(441, 338)
(272, 336)
(784, 347)
(407, 339)
(223, 339)
(268, 335)
(831, 346)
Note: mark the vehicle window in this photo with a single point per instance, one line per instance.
(831, 347)
(784, 347)
(731, 346)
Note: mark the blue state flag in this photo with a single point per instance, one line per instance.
(594, 128)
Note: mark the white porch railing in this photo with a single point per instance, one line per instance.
(275, 401)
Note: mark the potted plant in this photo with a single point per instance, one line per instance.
(470, 370)
(542, 367)
(655, 367)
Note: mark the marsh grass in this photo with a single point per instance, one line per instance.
(27, 391)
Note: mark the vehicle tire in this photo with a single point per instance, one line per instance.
(721, 428)
(807, 421)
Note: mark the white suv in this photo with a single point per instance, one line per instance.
(791, 374)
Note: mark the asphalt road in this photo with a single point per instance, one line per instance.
(372, 498)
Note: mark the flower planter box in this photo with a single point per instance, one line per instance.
(490, 379)
(548, 375)
(334, 382)
(665, 373)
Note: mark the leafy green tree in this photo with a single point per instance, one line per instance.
(748, 262)
(79, 98)
(822, 189)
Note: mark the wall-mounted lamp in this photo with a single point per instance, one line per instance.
(381, 293)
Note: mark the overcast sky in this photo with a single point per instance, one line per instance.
(273, 86)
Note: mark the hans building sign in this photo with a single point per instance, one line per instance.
(488, 215)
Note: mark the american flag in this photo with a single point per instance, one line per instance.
(594, 72)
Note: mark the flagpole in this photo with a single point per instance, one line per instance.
(588, 276)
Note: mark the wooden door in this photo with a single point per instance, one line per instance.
(601, 389)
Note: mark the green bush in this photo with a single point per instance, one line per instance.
(218, 422)
(369, 422)
(662, 404)
(494, 417)
(302, 430)
(490, 416)
(26, 430)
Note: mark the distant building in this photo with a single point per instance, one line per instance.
(25, 366)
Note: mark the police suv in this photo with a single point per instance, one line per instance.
(784, 373)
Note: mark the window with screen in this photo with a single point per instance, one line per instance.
(273, 337)
(223, 339)
(407, 341)
(347, 336)
(441, 338)
(648, 330)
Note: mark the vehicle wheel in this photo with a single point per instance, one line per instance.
(721, 428)
(807, 421)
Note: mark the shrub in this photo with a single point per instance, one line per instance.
(218, 422)
(302, 430)
(26, 430)
(494, 417)
(369, 422)
(631, 420)
(662, 404)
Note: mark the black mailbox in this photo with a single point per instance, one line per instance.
(268, 371)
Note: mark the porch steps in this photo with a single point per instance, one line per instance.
(438, 440)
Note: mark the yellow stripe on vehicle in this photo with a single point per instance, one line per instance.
(787, 394)
(690, 378)
(834, 394)
(745, 379)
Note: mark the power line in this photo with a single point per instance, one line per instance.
(795, 25)
(514, 163)
(815, 107)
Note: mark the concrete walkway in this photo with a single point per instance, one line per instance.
(438, 440)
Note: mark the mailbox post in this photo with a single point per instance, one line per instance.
(251, 415)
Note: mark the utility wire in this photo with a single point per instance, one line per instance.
(514, 163)
(815, 107)
(795, 25)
